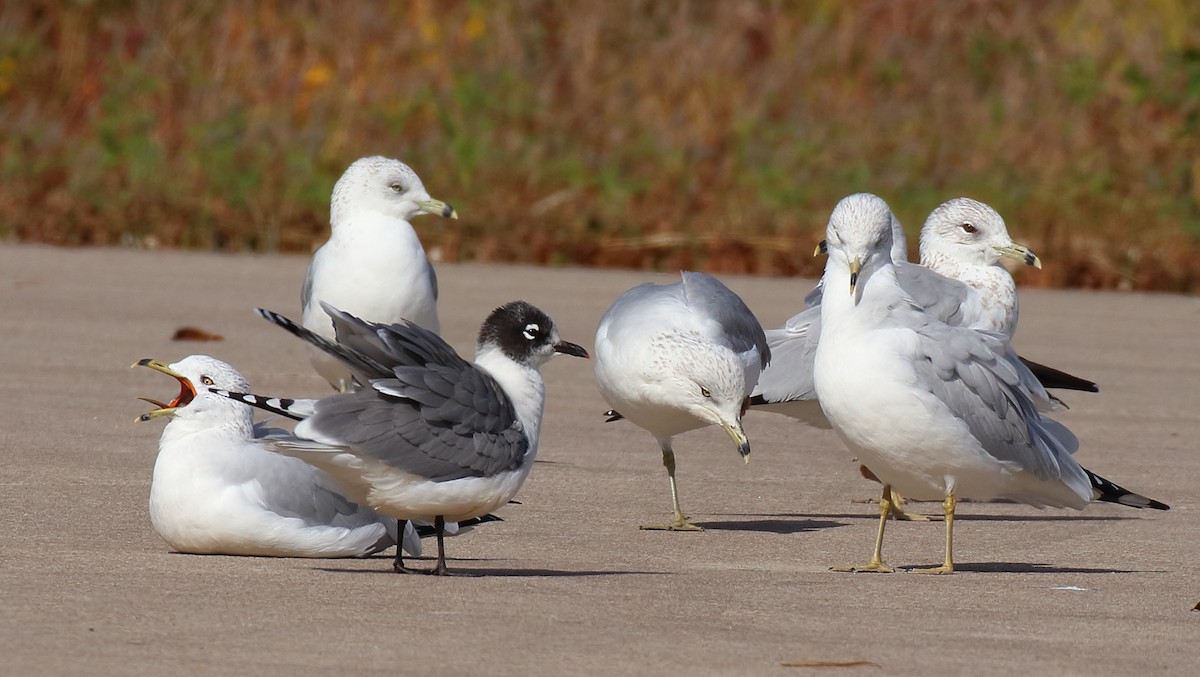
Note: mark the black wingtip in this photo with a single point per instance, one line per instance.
(1050, 377)
(275, 405)
(1111, 492)
(613, 415)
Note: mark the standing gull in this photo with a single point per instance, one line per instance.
(961, 282)
(936, 411)
(373, 264)
(216, 490)
(429, 436)
(677, 357)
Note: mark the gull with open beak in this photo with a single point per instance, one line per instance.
(373, 265)
(217, 490)
(677, 357)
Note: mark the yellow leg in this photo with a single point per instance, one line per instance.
(680, 522)
(898, 512)
(947, 567)
(876, 563)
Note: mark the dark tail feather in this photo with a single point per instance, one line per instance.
(1111, 492)
(427, 530)
(1050, 377)
(297, 410)
(357, 362)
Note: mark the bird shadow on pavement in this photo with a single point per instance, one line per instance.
(800, 524)
(1035, 568)
(967, 517)
(490, 572)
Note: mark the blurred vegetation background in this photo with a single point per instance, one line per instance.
(654, 134)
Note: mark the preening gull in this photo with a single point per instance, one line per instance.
(429, 436)
(934, 410)
(677, 357)
(373, 265)
(216, 490)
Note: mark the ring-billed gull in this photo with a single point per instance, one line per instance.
(936, 411)
(430, 436)
(216, 490)
(960, 280)
(373, 264)
(677, 357)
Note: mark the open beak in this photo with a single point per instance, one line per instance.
(822, 248)
(437, 208)
(735, 432)
(855, 269)
(1019, 252)
(568, 348)
(187, 392)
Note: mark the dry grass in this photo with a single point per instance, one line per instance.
(712, 135)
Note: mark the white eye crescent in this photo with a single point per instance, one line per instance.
(531, 331)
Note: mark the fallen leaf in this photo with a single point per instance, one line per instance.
(194, 334)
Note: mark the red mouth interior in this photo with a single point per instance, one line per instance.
(186, 394)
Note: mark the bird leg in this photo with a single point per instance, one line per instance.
(876, 564)
(439, 523)
(947, 567)
(680, 523)
(899, 514)
(398, 565)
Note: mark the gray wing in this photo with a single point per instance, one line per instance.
(363, 366)
(433, 281)
(441, 422)
(392, 345)
(707, 294)
(968, 371)
(793, 353)
(940, 296)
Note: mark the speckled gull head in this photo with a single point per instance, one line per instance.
(859, 236)
(383, 185)
(969, 233)
(196, 374)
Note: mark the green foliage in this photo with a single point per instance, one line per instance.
(632, 133)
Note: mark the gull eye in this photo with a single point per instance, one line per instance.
(968, 228)
(206, 381)
(397, 187)
(705, 392)
(531, 331)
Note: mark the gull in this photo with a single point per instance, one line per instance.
(429, 436)
(373, 264)
(960, 280)
(936, 411)
(217, 490)
(677, 357)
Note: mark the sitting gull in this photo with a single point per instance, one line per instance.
(373, 264)
(936, 411)
(430, 436)
(216, 490)
(677, 357)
